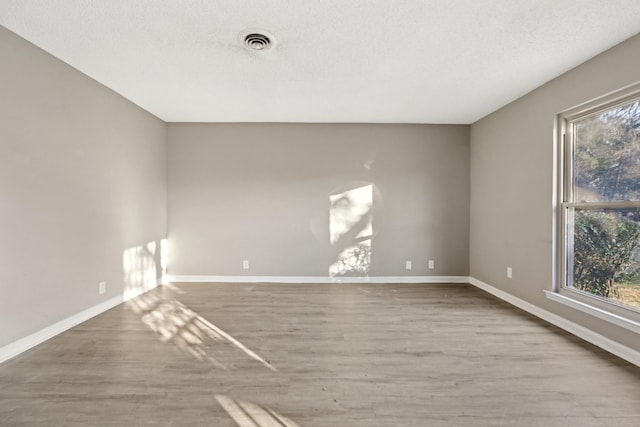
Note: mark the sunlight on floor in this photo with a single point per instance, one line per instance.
(247, 414)
(178, 324)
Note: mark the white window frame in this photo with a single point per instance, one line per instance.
(604, 308)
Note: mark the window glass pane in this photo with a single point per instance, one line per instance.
(606, 253)
(606, 160)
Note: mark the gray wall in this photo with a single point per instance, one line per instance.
(511, 183)
(83, 178)
(261, 192)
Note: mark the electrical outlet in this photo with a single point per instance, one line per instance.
(408, 264)
(245, 264)
(102, 288)
(509, 273)
(432, 264)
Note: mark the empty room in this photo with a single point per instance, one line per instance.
(320, 213)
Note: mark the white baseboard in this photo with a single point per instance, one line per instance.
(622, 351)
(15, 348)
(610, 317)
(318, 279)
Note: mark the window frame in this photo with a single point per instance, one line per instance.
(604, 308)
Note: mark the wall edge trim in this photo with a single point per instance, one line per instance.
(18, 347)
(613, 347)
(316, 279)
(594, 311)
(15, 348)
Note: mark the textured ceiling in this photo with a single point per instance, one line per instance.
(401, 61)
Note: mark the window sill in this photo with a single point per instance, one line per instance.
(616, 319)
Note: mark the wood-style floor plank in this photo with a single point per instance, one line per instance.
(317, 355)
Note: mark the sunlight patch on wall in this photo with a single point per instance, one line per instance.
(164, 260)
(139, 267)
(351, 230)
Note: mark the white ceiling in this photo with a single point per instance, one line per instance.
(378, 61)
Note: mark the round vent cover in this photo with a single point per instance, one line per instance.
(257, 40)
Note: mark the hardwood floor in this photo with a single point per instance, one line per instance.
(256, 355)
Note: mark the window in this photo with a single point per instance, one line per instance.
(600, 204)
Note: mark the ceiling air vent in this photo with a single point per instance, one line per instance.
(257, 40)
